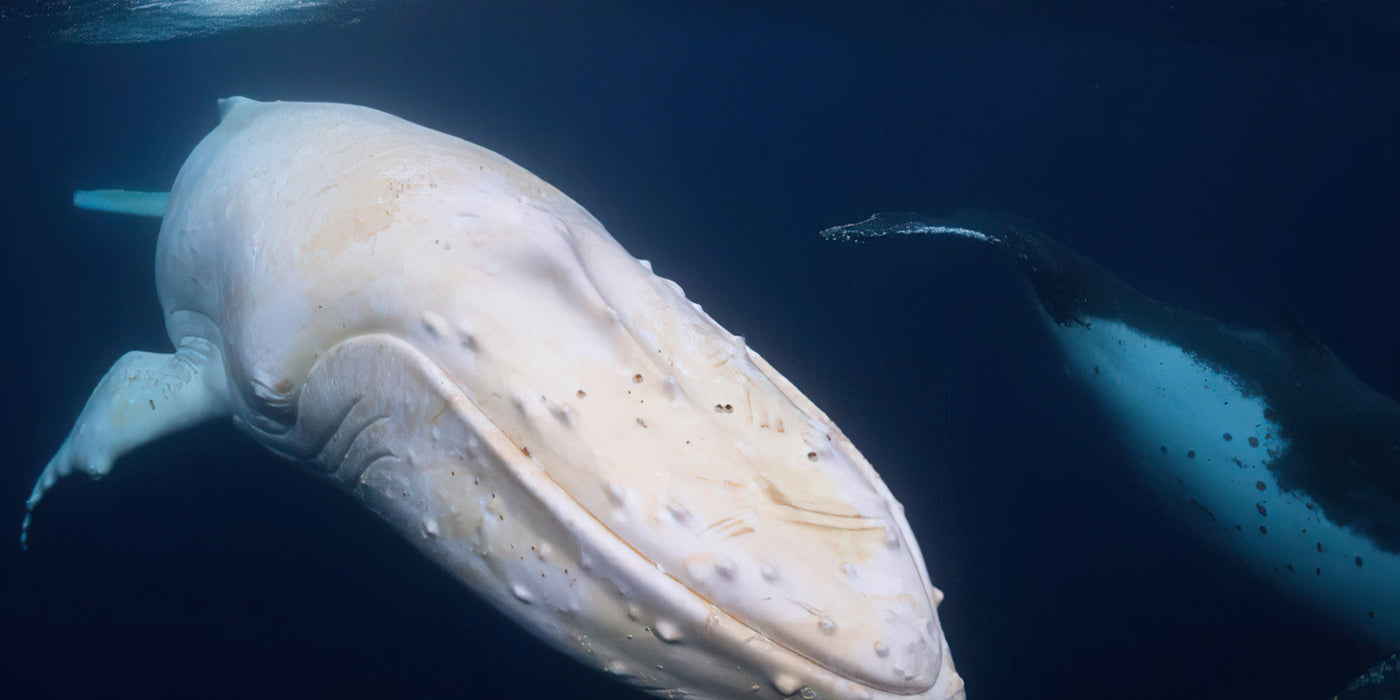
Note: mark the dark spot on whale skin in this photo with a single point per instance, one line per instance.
(1372, 614)
(1358, 562)
(1262, 510)
(1239, 528)
(1253, 441)
(1320, 548)
(1096, 369)
(1237, 461)
(1311, 505)
(1229, 437)
(1271, 415)
(1191, 454)
(1319, 571)
(1260, 485)
(1263, 530)
(1289, 567)
(1164, 449)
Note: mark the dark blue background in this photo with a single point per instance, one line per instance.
(1239, 162)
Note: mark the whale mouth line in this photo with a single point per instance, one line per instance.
(748, 627)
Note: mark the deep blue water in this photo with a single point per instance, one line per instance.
(1243, 163)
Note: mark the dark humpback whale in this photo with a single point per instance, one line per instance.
(1280, 451)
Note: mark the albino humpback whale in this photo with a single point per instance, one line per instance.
(467, 352)
(1270, 442)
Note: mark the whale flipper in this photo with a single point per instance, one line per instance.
(122, 202)
(143, 396)
(1067, 285)
(1292, 459)
(906, 224)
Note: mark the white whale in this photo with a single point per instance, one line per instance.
(467, 351)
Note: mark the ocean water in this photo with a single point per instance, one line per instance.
(1241, 162)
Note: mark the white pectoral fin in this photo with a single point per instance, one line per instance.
(122, 202)
(143, 397)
